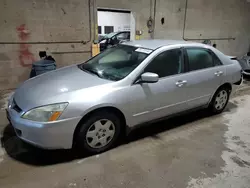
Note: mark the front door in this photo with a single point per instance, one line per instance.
(168, 95)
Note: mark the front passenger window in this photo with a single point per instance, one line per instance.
(199, 59)
(166, 64)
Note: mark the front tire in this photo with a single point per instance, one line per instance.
(100, 132)
(220, 100)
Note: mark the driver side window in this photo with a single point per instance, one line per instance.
(167, 63)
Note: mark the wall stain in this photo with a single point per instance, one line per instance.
(23, 33)
(64, 12)
(26, 58)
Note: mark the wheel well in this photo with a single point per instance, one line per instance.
(109, 109)
(226, 85)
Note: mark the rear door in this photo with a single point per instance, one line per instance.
(205, 75)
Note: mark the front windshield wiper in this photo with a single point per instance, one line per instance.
(92, 71)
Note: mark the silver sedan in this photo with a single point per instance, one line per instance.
(90, 105)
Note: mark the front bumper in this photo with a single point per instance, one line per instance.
(52, 135)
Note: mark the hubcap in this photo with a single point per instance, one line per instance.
(221, 100)
(100, 133)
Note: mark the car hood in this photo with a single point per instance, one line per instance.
(47, 88)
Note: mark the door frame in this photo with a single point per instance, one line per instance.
(158, 52)
(206, 49)
(132, 18)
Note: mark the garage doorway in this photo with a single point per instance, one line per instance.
(115, 21)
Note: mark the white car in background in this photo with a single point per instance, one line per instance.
(245, 64)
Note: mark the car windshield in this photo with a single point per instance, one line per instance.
(110, 35)
(115, 63)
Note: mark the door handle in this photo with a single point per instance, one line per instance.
(218, 73)
(180, 83)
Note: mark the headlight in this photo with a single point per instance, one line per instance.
(10, 100)
(45, 113)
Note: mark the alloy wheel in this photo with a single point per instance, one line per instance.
(100, 133)
(221, 100)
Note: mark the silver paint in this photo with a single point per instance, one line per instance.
(137, 101)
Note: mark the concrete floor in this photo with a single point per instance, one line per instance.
(195, 150)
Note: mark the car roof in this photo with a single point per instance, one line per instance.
(118, 32)
(154, 44)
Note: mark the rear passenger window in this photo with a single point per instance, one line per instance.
(199, 59)
(217, 62)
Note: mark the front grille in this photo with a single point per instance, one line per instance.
(16, 107)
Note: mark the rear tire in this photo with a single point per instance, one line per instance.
(219, 100)
(100, 132)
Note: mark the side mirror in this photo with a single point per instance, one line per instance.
(149, 77)
(248, 53)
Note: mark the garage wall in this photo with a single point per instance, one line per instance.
(207, 19)
(204, 19)
(61, 27)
